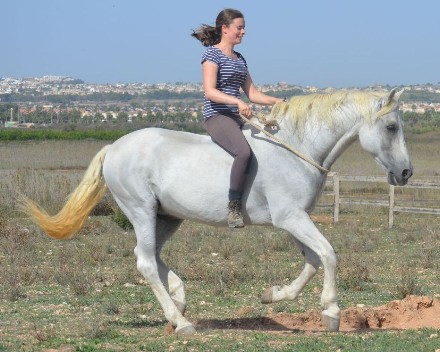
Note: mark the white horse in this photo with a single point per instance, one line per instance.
(160, 178)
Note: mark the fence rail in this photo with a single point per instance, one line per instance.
(334, 180)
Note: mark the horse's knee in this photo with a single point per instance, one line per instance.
(148, 269)
(328, 258)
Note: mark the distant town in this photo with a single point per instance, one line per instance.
(55, 97)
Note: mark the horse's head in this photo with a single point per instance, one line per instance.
(383, 137)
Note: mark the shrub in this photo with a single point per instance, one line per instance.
(121, 220)
(408, 284)
(353, 274)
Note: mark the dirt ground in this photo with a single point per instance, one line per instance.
(413, 312)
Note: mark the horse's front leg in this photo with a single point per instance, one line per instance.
(299, 224)
(291, 291)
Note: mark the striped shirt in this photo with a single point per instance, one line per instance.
(231, 75)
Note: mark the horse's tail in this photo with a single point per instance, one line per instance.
(78, 206)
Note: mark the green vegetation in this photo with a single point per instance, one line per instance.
(49, 134)
(417, 96)
(69, 132)
(421, 123)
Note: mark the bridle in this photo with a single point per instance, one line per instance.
(297, 153)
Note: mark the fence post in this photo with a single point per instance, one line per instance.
(336, 197)
(391, 207)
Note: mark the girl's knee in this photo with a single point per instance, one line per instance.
(245, 153)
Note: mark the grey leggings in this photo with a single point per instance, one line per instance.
(226, 132)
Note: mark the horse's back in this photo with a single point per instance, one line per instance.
(153, 136)
(173, 167)
(158, 149)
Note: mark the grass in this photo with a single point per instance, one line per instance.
(86, 294)
(82, 295)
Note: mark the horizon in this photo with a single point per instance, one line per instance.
(200, 83)
(342, 44)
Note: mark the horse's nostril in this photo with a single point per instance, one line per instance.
(407, 173)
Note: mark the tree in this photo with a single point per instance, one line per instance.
(139, 116)
(5, 111)
(122, 116)
(99, 117)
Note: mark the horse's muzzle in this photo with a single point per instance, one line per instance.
(402, 179)
(407, 173)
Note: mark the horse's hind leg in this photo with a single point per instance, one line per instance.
(142, 214)
(165, 228)
(291, 291)
(152, 270)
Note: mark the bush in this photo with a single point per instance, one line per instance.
(121, 220)
(408, 284)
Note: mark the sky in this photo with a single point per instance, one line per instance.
(323, 43)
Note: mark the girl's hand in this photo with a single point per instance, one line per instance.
(244, 109)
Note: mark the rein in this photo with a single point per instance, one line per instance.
(297, 153)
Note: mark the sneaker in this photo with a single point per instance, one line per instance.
(235, 219)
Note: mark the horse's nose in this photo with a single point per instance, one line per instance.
(407, 173)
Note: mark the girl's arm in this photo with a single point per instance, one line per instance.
(255, 96)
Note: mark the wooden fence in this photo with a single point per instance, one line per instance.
(334, 180)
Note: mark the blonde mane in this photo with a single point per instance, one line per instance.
(326, 107)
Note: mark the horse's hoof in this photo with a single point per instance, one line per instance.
(330, 322)
(186, 330)
(267, 296)
(271, 295)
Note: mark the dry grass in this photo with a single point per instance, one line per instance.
(88, 289)
(48, 155)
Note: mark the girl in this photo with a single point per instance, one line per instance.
(224, 72)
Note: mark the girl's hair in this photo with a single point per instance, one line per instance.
(209, 35)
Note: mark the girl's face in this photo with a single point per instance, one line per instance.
(234, 32)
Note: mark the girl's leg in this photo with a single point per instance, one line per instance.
(226, 132)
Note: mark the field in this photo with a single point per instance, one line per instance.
(86, 294)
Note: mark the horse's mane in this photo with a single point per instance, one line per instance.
(326, 107)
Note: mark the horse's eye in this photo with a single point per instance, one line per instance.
(392, 128)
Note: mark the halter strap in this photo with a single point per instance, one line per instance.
(297, 153)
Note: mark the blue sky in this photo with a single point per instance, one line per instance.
(338, 43)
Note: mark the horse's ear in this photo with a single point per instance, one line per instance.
(398, 94)
(394, 95)
(391, 98)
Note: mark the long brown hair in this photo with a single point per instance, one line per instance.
(209, 35)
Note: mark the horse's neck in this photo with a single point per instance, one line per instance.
(340, 146)
(324, 145)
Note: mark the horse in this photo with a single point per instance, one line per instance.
(161, 177)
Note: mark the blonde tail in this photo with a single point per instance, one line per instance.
(80, 203)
